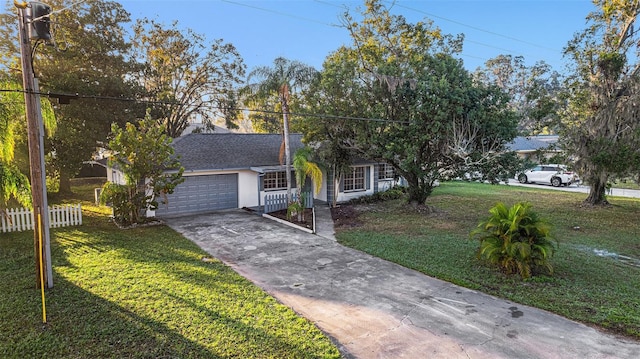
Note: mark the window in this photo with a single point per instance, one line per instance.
(386, 172)
(275, 180)
(354, 180)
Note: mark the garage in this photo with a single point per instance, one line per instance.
(199, 194)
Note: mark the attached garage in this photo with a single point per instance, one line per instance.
(202, 194)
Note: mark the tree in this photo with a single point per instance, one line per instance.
(192, 79)
(145, 157)
(534, 91)
(304, 168)
(600, 122)
(334, 96)
(413, 105)
(281, 80)
(14, 183)
(91, 58)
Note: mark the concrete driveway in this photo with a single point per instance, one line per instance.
(376, 309)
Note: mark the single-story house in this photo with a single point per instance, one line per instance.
(536, 148)
(235, 170)
(93, 168)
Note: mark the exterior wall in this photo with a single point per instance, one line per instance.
(346, 196)
(247, 188)
(322, 195)
(384, 185)
(375, 185)
(115, 176)
(307, 187)
(535, 156)
(247, 185)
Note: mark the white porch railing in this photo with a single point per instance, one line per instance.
(278, 201)
(21, 219)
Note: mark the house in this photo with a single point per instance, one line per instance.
(535, 148)
(93, 168)
(235, 170)
(200, 128)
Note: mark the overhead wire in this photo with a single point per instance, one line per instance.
(475, 27)
(156, 102)
(327, 3)
(278, 13)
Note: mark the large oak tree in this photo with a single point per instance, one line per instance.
(90, 58)
(189, 78)
(401, 97)
(601, 119)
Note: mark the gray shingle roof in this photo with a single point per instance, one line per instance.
(231, 151)
(533, 143)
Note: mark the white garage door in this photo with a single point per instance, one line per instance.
(202, 194)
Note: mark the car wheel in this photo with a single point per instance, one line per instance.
(556, 182)
(523, 178)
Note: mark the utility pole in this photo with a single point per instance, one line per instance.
(36, 150)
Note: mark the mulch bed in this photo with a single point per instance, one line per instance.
(345, 215)
(307, 222)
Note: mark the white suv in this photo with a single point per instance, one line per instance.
(556, 175)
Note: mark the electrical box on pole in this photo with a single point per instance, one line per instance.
(37, 14)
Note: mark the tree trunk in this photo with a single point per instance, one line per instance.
(417, 194)
(287, 149)
(65, 183)
(597, 192)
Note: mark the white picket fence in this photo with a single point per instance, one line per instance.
(21, 219)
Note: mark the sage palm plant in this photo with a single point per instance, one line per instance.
(516, 239)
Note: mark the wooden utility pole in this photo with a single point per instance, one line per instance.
(36, 152)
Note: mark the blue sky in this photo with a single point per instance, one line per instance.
(307, 31)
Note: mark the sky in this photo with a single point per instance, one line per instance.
(309, 30)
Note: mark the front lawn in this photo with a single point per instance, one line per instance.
(140, 293)
(591, 283)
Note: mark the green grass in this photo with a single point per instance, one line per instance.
(139, 293)
(585, 287)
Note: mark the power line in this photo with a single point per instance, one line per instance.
(66, 96)
(278, 13)
(394, 3)
(476, 28)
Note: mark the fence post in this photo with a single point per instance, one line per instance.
(21, 219)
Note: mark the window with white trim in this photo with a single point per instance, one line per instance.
(386, 172)
(275, 181)
(354, 180)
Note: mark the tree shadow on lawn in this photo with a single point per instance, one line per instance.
(99, 309)
(81, 324)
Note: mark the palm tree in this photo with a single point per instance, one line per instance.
(282, 79)
(305, 168)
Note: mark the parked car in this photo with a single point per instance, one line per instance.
(556, 175)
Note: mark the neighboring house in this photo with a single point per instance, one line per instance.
(233, 170)
(535, 148)
(93, 169)
(200, 128)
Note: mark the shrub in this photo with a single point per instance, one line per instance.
(295, 209)
(516, 240)
(391, 193)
